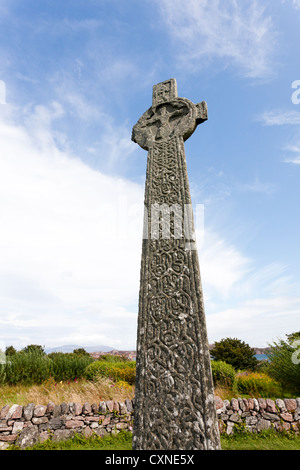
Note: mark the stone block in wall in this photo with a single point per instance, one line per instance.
(28, 411)
(4, 412)
(87, 408)
(15, 412)
(28, 437)
(39, 411)
(129, 406)
(271, 407)
(290, 404)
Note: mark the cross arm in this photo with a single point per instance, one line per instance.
(201, 112)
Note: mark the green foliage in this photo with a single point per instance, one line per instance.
(2, 373)
(236, 353)
(81, 352)
(284, 363)
(10, 351)
(113, 358)
(124, 371)
(68, 366)
(120, 441)
(258, 385)
(27, 367)
(32, 366)
(223, 374)
(36, 348)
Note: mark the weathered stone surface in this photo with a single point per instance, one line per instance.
(234, 403)
(75, 408)
(286, 417)
(74, 423)
(28, 437)
(270, 416)
(250, 404)
(50, 407)
(39, 411)
(102, 407)
(4, 412)
(235, 418)
(17, 427)
(290, 404)
(116, 406)
(262, 403)
(64, 409)
(219, 403)
(270, 408)
(110, 405)
(87, 408)
(41, 420)
(15, 412)
(174, 388)
(28, 411)
(56, 423)
(129, 405)
(280, 404)
(10, 438)
(62, 435)
(263, 424)
(122, 408)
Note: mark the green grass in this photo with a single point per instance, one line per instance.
(266, 440)
(120, 441)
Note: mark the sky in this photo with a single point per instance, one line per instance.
(75, 76)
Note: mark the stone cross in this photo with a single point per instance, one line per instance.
(174, 395)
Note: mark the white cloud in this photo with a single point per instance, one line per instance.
(295, 3)
(239, 32)
(279, 118)
(258, 322)
(70, 241)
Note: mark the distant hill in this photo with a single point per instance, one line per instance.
(70, 348)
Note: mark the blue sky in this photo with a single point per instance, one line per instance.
(75, 77)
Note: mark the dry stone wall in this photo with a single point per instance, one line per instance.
(30, 424)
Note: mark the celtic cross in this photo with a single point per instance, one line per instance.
(174, 394)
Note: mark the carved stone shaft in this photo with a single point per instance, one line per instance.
(174, 401)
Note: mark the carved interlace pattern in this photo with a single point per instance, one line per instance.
(174, 391)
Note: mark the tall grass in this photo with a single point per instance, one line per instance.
(78, 391)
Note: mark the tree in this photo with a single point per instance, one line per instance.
(10, 351)
(34, 348)
(80, 352)
(236, 353)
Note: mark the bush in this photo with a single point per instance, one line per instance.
(236, 353)
(284, 364)
(113, 358)
(223, 374)
(124, 371)
(27, 367)
(68, 366)
(258, 384)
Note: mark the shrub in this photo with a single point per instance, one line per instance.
(124, 371)
(236, 353)
(258, 384)
(223, 374)
(68, 366)
(113, 358)
(27, 367)
(284, 364)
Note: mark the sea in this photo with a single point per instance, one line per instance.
(261, 357)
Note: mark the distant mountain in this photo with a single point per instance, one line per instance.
(70, 348)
